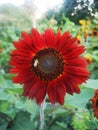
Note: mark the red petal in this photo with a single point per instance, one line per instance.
(76, 78)
(27, 38)
(14, 70)
(35, 89)
(68, 45)
(36, 39)
(20, 63)
(27, 86)
(73, 53)
(49, 38)
(63, 40)
(56, 92)
(61, 91)
(52, 93)
(80, 62)
(71, 86)
(77, 71)
(24, 46)
(23, 77)
(57, 39)
(41, 93)
(20, 53)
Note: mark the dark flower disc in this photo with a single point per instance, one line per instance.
(48, 64)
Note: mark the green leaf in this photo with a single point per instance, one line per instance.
(22, 122)
(3, 124)
(56, 127)
(4, 106)
(4, 96)
(2, 82)
(59, 111)
(27, 105)
(79, 100)
(31, 107)
(92, 83)
(81, 125)
(19, 104)
(61, 124)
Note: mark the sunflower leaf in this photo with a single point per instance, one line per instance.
(79, 100)
(22, 122)
(91, 83)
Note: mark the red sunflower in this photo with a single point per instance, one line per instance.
(48, 64)
(95, 103)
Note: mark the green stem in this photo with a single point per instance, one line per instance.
(41, 126)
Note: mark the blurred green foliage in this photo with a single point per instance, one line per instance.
(14, 16)
(19, 113)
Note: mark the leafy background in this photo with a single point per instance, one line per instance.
(19, 113)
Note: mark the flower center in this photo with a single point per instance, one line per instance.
(97, 103)
(48, 64)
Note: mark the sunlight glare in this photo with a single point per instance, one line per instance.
(41, 5)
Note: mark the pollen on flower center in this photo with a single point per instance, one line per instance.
(48, 64)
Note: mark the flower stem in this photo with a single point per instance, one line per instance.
(41, 126)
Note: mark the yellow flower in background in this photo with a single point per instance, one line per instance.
(79, 38)
(88, 58)
(82, 22)
(85, 29)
